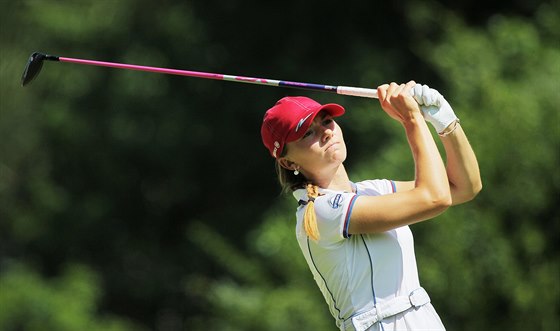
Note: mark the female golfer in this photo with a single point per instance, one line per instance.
(355, 236)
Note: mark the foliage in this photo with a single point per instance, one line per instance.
(66, 303)
(508, 75)
(132, 201)
(498, 253)
(269, 289)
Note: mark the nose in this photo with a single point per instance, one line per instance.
(327, 134)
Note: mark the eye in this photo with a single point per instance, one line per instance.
(307, 134)
(327, 121)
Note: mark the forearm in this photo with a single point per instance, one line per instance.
(431, 180)
(462, 166)
(427, 197)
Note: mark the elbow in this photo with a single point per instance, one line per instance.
(438, 201)
(440, 204)
(442, 201)
(473, 191)
(476, 188)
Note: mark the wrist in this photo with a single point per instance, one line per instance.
(413, 120)
(442, 119)
(450, 128)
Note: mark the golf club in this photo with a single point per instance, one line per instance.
(35, 63)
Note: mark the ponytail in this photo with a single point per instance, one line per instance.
(309, 218)
(291, 182)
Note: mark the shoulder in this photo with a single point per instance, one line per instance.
(333, 204)
(376, 187)
(332, 211)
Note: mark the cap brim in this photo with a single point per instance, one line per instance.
(333, 109)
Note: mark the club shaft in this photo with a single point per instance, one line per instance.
(345, 90)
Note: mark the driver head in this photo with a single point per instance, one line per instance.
(33, 67)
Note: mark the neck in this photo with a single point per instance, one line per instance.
(336, 179)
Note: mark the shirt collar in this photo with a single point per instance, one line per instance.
(301, 194)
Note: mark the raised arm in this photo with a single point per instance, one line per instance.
(462, 166)
(430, 195)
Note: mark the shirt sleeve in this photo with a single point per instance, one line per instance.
(376, 187)
(333, 213)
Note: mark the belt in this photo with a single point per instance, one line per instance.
(363, 321)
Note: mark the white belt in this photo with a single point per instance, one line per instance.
(363, 321)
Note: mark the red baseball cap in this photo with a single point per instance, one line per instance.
(289, 119)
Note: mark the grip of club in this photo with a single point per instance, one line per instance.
(357, 91)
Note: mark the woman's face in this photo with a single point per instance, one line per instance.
(321, 147)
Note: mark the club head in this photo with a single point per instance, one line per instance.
(32, 68)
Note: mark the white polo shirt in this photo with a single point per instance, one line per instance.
(354, 272)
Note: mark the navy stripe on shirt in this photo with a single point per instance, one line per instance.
(345, 233)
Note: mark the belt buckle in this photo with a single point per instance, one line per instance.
(419, 297)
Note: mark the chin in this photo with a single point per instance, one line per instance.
(339, 156)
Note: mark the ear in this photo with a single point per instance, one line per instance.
(287, 164)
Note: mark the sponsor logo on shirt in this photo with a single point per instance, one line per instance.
(336, 201)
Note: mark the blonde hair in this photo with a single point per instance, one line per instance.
(309, 218)
(291, 182)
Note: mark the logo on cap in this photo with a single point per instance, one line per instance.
(300, 123)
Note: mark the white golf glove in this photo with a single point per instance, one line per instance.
(435, 108)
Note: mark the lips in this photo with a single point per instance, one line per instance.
(331, 145)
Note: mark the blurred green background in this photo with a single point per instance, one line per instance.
(141, 201)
